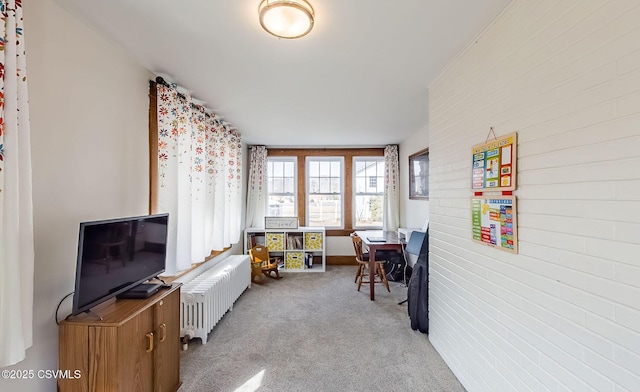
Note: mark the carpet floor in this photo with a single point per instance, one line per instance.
(316, 332)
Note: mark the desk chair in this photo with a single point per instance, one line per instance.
(415, 250)
(418, 290)
(378, 274)
(417, 246)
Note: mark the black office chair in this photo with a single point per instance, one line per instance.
(417, 245)
(418, 290)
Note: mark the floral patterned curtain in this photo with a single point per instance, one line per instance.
(16, 207)
(391, 203)
(199, 179)
(257, 188)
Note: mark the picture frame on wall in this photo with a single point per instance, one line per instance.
(419, 175)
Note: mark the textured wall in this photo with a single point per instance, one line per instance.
(563, 314)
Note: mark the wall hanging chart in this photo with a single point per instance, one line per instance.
(494, 164)
(494, 221)
(493, 214)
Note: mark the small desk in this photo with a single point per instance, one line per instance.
(391, 243)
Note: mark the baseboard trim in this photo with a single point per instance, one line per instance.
(341, 260)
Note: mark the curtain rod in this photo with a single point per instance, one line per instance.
(160, 80)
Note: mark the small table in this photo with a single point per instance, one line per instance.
(378, 240)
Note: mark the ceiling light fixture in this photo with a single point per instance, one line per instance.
(286, 18)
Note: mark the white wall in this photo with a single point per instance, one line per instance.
(564, 313)
(413, 213)
(89, 134)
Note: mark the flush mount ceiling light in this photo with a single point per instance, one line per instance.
(286, 18)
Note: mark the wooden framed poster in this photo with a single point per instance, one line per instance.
(494, 221)
(419, 175)
(281, 222)
(494, 164)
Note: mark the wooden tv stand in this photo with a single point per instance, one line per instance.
(135, 346)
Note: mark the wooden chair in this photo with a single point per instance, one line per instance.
(378, 275)
(261, 262)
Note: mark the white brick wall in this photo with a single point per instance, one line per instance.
(564, 313)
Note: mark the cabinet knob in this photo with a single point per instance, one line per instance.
(161, 302)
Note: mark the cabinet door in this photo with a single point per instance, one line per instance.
(167, 350)
(73, 355)
(136, 344)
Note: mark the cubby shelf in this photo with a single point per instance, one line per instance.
(294, 246)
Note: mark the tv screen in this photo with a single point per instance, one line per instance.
(117, 254)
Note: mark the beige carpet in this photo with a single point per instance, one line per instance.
(315, 332)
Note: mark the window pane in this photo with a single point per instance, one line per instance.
(371, 169)
(277, 169)
(278, 186)
(281, 206)
(325, 210)
(369, 192)
(336, 170)
(324, 197)
(325, 185)
(368, 211)
(314, 185)
(281, 179)
(289, 184)
(314, 169)
(336, 185)
(325, 169)
(288, 169)
(380, 187)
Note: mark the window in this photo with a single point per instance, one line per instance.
(325, 188)
(281, 187)
(368, 174)
(419, 175)
(327, 197)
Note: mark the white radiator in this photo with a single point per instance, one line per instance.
(206, 298)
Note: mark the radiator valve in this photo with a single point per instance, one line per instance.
(185, 342)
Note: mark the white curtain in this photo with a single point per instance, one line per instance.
(16, 207)
(257, 187)
(391, 209)
(226, 166)
(199, 179)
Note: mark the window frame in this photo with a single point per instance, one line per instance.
(356, 193)
(308, 193)
(294, 195)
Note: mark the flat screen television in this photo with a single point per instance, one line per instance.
(116, 255)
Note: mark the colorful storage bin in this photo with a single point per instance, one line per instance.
(275, 241)
(294, 260)
(313, 241)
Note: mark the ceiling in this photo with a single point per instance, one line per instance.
(359, 78)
